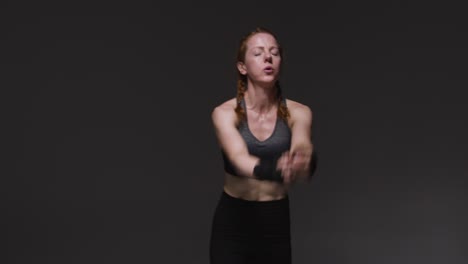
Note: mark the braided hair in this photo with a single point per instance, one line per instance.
(242, 79)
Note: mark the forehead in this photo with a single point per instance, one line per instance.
(261, 40)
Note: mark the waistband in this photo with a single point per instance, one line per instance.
(239, 201)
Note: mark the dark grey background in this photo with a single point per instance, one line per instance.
(111, 157)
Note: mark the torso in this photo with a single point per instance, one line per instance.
(249, 188)
(252, 189)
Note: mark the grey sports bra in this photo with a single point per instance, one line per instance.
(272, 147)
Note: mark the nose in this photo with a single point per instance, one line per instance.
(268, 57)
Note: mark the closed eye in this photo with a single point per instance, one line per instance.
(274, 52)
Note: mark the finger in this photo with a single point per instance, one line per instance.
(279, 164)
(286, 172)
(282, 162)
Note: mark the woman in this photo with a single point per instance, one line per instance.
(266, 145)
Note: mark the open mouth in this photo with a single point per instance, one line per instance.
(268, 69)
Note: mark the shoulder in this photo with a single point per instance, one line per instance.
(298, 110)
(224, 111)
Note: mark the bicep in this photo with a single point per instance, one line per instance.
(232, 143)
(301, 129)
(227, 135)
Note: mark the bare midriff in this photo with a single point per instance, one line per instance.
(252, 189)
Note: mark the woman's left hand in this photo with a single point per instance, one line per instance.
(300, 163)
(284, 165)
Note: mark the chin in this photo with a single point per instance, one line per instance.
(268, 81)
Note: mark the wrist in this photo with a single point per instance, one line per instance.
(266, 170)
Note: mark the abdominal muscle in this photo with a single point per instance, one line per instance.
(253, 189)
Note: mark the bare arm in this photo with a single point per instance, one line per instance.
(301, 141)
(224, 121)
(301, 125)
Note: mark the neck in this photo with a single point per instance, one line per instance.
(260, 98)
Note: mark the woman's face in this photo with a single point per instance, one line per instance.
(262, 59)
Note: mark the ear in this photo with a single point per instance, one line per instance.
(241, 68)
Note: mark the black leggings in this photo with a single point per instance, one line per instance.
(250, 232)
